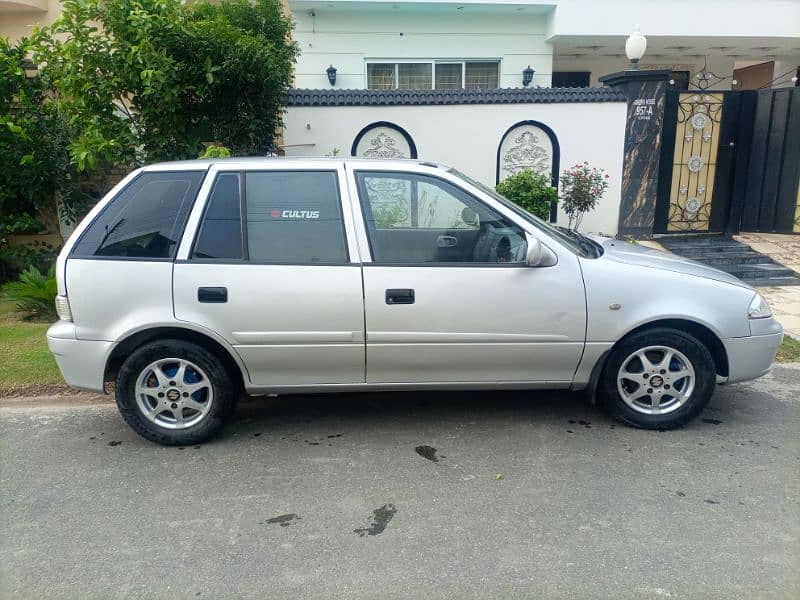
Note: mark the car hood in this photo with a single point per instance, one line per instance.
(635, 254)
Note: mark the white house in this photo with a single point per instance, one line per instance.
(439, 80)
(379, 44)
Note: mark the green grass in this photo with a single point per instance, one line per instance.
(26, 365)
(789, 350)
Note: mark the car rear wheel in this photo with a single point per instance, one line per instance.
(174, 392)
(659, 379)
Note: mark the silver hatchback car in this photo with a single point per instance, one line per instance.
(193, 282)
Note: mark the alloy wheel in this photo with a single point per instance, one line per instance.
(174, 393)
(656, 380)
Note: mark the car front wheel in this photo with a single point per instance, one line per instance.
(659, 379)
(174, 392)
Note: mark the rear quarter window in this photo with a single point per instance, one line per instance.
(145, 220)
(294, 217)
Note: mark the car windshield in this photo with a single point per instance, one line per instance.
(574, 242)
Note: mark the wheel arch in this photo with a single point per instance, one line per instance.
(702, 332)
(136, 339)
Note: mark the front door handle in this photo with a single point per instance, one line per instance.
(400, 296)
(214, 295)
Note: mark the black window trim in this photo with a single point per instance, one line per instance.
(196, 234)
(245, 260)
(363, 202)
(170, 259)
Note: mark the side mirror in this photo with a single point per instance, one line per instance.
(538, 254)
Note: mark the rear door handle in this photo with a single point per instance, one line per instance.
(400, 296)
(215, 295)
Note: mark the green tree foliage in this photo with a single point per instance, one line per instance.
(531, 191)
(148, 80)
(34, 138)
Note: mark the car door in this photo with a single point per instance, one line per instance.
(274, 270)
(448, 293)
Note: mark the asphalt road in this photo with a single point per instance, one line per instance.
(407, 495)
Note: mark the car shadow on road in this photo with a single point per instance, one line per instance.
(414, 408)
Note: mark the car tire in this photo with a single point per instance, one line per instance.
(658, 378)
(175, 392)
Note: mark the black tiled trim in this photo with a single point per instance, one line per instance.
(305, 97)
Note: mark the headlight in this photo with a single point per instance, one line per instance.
(759, 309)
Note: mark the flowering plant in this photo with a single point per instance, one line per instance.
(582, 187)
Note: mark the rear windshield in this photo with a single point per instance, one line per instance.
(145, 220)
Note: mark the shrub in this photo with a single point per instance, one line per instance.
(582, 187)
(34, 293)
(215, 151)
(531, 191)
(21, 223)
(15, 259)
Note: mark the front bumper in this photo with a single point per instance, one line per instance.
(751, 357)
(82, 362)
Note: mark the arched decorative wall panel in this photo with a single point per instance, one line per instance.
(383, 140)
(528, 145)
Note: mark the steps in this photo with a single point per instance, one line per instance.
(733, 257)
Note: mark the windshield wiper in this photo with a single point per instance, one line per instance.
(587, 244)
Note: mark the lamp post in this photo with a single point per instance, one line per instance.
(635, 46)
(527, 76)
(331, 71)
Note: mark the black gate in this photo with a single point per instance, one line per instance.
(730, 162)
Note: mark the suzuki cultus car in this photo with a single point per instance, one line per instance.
(193, 282)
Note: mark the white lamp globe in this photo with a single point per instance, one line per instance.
(635, 46)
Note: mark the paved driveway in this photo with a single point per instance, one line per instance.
(408, 495)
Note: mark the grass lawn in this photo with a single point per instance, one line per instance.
(789, 350)
(27, 367)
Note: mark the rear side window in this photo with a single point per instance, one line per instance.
(220, 234)
(294, 217)
(145, 220)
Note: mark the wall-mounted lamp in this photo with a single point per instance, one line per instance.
(331, 71)
(635, 46)
(527, 76)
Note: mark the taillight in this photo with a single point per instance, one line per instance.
(62, 308)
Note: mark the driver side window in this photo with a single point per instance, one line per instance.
(420, 219)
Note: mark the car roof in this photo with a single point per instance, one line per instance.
(253, 162)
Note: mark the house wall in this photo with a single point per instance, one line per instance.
(603, 65)
(347, 38)
(677, 18)
(467, 137)
(17, 21)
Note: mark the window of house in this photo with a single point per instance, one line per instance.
(145, 220)
(380, 76)
(449, 76)
(440, 75)
(294, 217)
(481, 75)
(571, 79)
(418, 219)
(220, 234)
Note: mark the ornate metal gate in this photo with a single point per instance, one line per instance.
(730, 161)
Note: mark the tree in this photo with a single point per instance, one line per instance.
(34, 137)
(148, 80)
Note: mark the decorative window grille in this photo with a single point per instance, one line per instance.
(426, 75)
